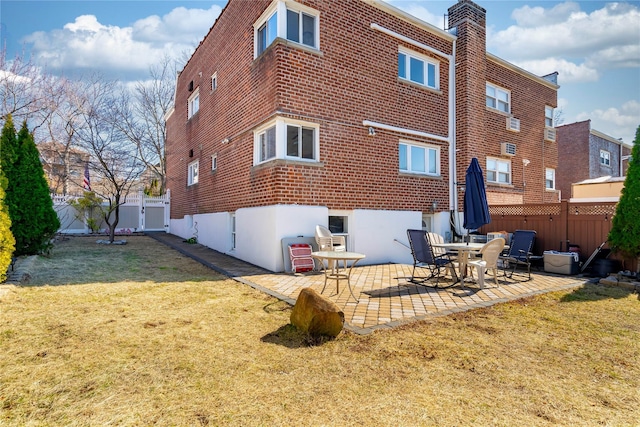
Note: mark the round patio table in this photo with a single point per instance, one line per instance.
(333, 270)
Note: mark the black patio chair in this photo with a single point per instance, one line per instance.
(424, 257)
(519, 253)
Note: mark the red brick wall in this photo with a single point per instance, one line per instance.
(353, 78)
(481, 130)
(573, 150)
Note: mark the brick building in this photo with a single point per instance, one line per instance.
(587, 154)
(350, 114)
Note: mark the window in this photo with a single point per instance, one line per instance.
(287, 139)
(550, 179)
(418, 68)
(548, 116)
(214, 82)
(194, 103)
(299, 24)
(214, 162)
(338, 224)
(192, 177)
(300, 141)
(605, 158)
(419, 159)
(498, 98)
(498, 171)
(267, 142)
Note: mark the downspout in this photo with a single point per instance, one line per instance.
(453, 195)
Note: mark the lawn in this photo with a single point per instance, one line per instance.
(140, 335)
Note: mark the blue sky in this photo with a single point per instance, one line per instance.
(594, 45)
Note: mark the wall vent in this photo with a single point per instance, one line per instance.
(507, 149)
(550, 134)
(513, 124)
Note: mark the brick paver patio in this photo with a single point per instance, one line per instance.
(385, 298)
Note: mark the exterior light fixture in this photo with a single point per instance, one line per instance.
(372, 131)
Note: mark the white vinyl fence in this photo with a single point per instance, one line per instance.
(138, 213)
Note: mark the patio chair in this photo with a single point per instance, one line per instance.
(424, 257)
(519, 253)
(328, 242)
(490, 253)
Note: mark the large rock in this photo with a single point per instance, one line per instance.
(316, 315)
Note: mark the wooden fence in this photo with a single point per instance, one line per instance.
(557, 225)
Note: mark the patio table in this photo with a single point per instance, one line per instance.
(333, 270)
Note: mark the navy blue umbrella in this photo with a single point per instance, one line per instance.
(476, 208)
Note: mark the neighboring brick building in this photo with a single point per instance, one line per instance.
(63, 167)
(587, 154)
(350, 114)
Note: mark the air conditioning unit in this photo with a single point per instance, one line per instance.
(513, 124)
(550, 134)
(507, 149)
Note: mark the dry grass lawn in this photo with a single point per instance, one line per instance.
(141, 335)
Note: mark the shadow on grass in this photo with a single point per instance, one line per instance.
(291, 337)
(595, 292)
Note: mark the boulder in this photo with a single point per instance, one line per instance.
(316, 315)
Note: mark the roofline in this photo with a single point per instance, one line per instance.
(407, 17)
(609, 138)
(521, 71)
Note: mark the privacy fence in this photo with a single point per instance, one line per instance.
(557, 225)
(138, 213)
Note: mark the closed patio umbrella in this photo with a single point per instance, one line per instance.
(476, 208)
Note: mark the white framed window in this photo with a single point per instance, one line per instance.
(548, 116)
(550, 179)
(498, 98)
(214, 162)
(194, 103)
(418, 68)
(288, 20)
(287, 139)
(605, 158)
(419, 158)
(192, 173)
(214, 82)
(498, 170)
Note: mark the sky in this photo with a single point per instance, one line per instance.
(593, 45)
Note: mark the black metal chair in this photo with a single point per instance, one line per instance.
(519, 253)
(424, 257)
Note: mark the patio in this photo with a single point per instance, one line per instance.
(385, 296)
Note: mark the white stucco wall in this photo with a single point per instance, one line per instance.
(379, 234)
(260, 230)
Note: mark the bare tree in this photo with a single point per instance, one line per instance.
(142, 117)
(25, 90)
(115, 165)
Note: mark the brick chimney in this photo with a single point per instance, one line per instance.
(468, 21)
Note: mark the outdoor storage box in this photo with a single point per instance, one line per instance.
(561, 262)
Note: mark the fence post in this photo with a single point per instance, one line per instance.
(141, 204)
(167, 211)
(564, 223)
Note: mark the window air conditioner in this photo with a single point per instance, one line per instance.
(513, 124)
(550, 134)
(507, 149)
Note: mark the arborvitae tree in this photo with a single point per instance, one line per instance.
(624, 236)
(8, 147)
(7, 242)
(34, 221)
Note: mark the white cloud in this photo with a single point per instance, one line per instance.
(619, 122)
(532, 17)
(88, 44)
(565, 31)
(568, 72)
